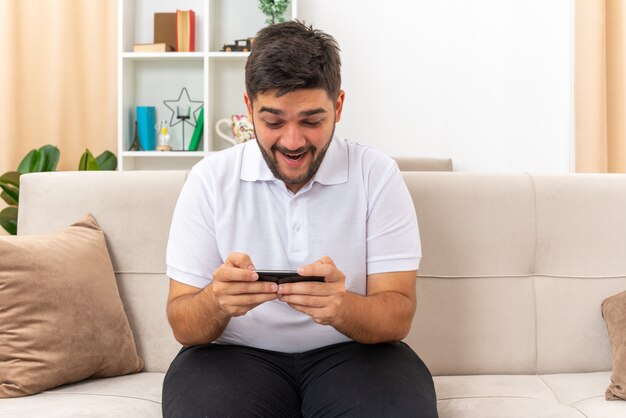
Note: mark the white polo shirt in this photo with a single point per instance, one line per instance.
(356, 210)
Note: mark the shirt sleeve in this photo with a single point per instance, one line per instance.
(192, 251)
(393, 242)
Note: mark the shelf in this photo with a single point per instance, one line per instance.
(229, 55)
(163, 154)
(213, 77)
(139, 56)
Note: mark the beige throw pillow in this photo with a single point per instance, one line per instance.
(61, 316)
(614, 313)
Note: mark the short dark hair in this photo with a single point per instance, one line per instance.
(290, 56)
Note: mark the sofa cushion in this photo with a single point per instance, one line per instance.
(136, 395)
(558, 395)
(614, 313)
(61, 316)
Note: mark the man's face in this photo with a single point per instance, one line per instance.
(294, 131)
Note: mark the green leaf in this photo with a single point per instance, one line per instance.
(45, 158)
(9, 198)
(25, 163)
(8, 219)
(10, 201)
(107, 161)
(10, 184)
(10, 178)
(10, 194)
(51, 156)
(32, 163)
(87, 162)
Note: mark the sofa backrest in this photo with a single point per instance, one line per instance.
(513, 273)
(424, 164)
(514, 270)
(134, 209)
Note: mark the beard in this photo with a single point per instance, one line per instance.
(302, 179)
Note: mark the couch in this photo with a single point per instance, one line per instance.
(514, 270)
(424, 164)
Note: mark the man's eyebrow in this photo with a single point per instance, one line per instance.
(303, 114)
(271, 110)
(311, 112)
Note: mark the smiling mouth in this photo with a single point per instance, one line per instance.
(294, 157)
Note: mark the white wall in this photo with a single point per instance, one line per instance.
(487, 83)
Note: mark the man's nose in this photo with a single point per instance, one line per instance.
(292, 137)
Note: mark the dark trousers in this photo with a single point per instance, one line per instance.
(349, 380)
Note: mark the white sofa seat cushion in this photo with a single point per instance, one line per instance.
(476, 396)
(501, 396)
(136, 396)
(585, 392)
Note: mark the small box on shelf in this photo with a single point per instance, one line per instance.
(158, 47)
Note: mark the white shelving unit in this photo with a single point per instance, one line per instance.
(214, 77)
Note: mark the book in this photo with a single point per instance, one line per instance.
(165, 29)
(145, 125)
(185, 30)
(160, 47)
(197, 132)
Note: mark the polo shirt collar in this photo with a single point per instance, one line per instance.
(333, 170)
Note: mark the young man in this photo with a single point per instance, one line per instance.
(296, 198)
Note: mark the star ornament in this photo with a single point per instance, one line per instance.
(184, 101)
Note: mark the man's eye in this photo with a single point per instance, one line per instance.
(311, 124)
(274, 125)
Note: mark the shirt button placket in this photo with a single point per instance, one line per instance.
(296, 226)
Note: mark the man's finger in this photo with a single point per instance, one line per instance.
(235, 288)
(327, 260)
(305, 288)
(317, 269)
(240, 260)
(247, 300)
(300, 300)
(226, 273)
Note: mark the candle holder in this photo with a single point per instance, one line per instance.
(183, 113)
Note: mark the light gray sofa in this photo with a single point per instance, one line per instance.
(424, 164)
(514, 270)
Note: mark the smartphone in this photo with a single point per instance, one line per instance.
(285, 276)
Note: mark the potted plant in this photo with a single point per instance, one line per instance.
(40, 160)
(274, 10)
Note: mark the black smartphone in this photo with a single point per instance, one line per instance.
(285, 276)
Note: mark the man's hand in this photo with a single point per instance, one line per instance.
(199, 316)
(236, 288)
(322, 301)
(383, 314)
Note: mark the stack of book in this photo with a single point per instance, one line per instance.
(172, 32)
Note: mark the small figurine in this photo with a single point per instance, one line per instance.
(136, 145)
(240, 45)
(164, 138)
